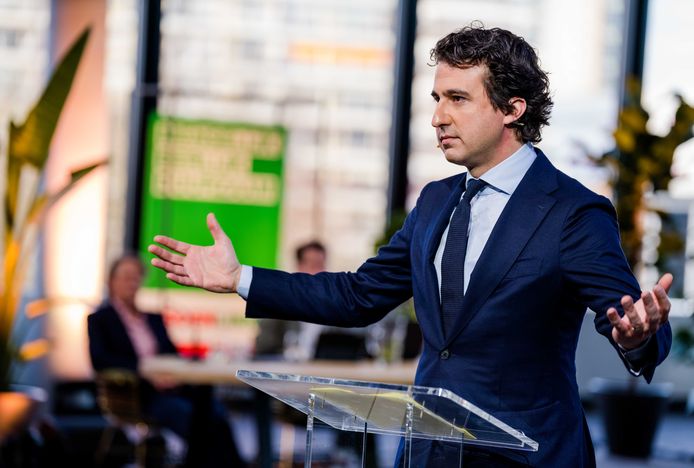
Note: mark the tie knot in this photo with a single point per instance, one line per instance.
(473, 188)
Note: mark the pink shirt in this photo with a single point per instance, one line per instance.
(141, 336)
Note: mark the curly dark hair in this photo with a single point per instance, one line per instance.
(513, 71)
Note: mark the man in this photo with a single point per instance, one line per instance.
(308, 340)
(318, 341)
(120, 335)
(501, 308)
(272, 334)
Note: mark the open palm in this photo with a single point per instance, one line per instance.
(214, 268)
(643, 318)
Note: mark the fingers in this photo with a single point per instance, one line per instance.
(663, 301)
(632, 314)
(182, 280)
(617, 322)
(627, 331)
(174, 272)
(216, 230)
(173, 244)
(169, 267)
(665, 282)
(644, 318)
(166, 255)
(652, 312)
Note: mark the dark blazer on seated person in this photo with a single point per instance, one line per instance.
(111, 347)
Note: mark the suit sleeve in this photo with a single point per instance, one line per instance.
(598, 275)
(339, 299)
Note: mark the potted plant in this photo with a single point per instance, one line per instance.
(683, 343)
(683, 350)
(641, 163)
(25, 204)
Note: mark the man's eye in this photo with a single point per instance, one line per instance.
(457, 98)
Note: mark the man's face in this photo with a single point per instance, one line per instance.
(470, 131)
(312, 261)
(126, 281)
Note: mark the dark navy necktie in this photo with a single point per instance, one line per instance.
(453, 260)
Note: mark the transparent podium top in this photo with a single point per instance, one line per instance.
(352, 405)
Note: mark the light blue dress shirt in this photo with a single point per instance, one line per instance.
(486, 207)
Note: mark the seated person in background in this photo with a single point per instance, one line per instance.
(120, 335)
(300, 340)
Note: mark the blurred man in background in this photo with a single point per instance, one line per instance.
(274, 335)
(303, 340)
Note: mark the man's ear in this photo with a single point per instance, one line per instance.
(518, 109)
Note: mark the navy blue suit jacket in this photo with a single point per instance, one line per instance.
(553, 252)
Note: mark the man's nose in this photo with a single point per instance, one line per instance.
(440, 116)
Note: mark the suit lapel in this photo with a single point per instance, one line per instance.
(432, 242)
(521, 217)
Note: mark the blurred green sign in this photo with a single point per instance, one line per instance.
(234, 170)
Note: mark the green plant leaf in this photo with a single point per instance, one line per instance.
(28, 146)
(30, 141)
(14, 168)
(43, 202)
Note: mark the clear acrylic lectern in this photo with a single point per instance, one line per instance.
(405, 410)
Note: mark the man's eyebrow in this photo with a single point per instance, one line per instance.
(452, 92)
(456, 92)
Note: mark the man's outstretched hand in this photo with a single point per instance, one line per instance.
(213, 267)
(643, 318)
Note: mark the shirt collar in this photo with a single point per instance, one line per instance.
(506, 176)
(126, 312)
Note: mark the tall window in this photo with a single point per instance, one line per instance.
(322, 70)
(24, 35)
(668, 71)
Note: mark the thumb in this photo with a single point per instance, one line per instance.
(215, 229)
(666, 281)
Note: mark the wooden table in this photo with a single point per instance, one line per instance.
(223, 372)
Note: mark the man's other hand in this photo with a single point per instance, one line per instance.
(643, 318)
(215, 267)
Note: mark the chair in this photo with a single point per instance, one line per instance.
(118, 397)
